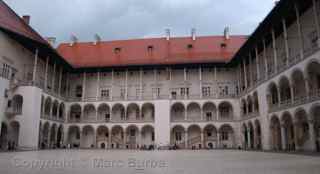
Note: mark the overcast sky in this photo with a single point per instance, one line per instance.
(127, 19)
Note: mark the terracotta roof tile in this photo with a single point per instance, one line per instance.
(205, 49)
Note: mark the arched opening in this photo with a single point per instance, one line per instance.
(133, 112)
(275, 129)
(75, 113)
(193, 112)
(47, 107)
(147, 137)
(177, 112)
(178, 137)
(103, 113)
(302, 129)
(148, 112)
(258, 135)
(89, 113)
(298, 84)
(315, 115)
(117, 137)
(250, 104)
(17, 102)
(55, 109)
(102, 137)
(87, 137)
(194, 137)
(60, 137)
(132, 135)
(61, 113)
(210, 137)
(251, 135)
(272, 95)
(313, 70)
(285, 90)
(288, 131)
(45, 136)
(209, 111)
(255, 102)
(245, 136)
(227, 138)
(14, 134)
(244, 107)
(4, 136)
(225, 111)
(74, 136)
(118, 112)
(53, 133)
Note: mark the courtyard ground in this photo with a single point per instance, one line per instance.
(157, 162)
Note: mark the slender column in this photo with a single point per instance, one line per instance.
(139, 139)
(109, 140)
(112, 81)
(49, 139)
(202, 139)
(98, 86)
(185, 74)
(296, 132)
(80, 139)
(155, 82)
(286, 45)
(299, 31)
(124, 139)
(249, 139)
(186, 139)
(312, 135)
(200, 82)
(54, 74)
(265, 58)
(240, 79)
(274, 47)
(306, 81)
(84, 86)
(216, 83)
(245, 74)
(60, 81)
(46, 74)
(141, 84)
(316, 18)
(250, 70)
(35, 66)
(126, 87)
(279, 97)
(257, 63)
(218, 139)
(283, 137)
(67, 84)
(292, 93)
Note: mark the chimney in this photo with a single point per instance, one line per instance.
(97, 39)
(51, 40)
(74, 40)
(26, 19)
(226, 33)
(167, 34)
(193, 34)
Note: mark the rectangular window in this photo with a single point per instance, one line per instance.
(184, 91)
(156, 91)
(206, 91)
(173, 94)
(104, 93)
(122, 93)
(79, 91)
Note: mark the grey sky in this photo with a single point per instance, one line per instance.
(126, 19)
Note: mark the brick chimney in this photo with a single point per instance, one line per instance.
(26, 19)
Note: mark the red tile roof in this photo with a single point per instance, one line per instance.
(205, 49)
(9, 20)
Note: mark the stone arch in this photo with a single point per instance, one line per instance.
(75, 113)
(227, 137)
(74, 136)
(148, 111)
(313, 76)
(88, 137)
(302, 128)
(45, 136)
(132, 132)
(275, 129)
(89, 113)
(193, 112)
(62, 111)
(298, 84)
(47, 107)
(210, 133)
(194, 136)
(285, 90)
(118, 112)
(103, 137)
(273, 94)
(258, 134)
(209, 111)
(60, 137)
(225, 111)
(147, 136)
(117, 137)
(55, 106)
(52, 138)
(103, 112)
(133, 112)
(177, 112)
(244, 107)
(288, 126)
(251, 135)
(178, 136)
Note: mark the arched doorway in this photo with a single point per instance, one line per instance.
(194, 137)
(193, 112)
(275, 129)
(227, 139)
(288, 131)
(210, 137)
(102, 137)
(87, 137)
(147, 136)
(74, 136)
(178, 137)
(117, 137)
(132, 137)
(177, 112)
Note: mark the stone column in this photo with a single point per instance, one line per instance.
(299, 30)
(53, 78)
(35, 66)
(249, 139)
(200, 82)
(296, 132)
(257, 64)
(98, 86)
(265, 58)
(186, 139)
(202, 139)
(284, 26)
(316, 18)
(312, 135)
(275, 55)
(84, 86)
(46, 75)
(112, 81)
(109, 139)
(283, 137)
(245, 75)
(124, 139)
(60, 81)
(218, 139)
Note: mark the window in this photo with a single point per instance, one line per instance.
(184, 91)
(117, 50)
(209, 116)
(173, 94)
(178, 136)
(122, 93)
(224, 136)
(79, 91)
(206, 91)
(104, 93)
(156, 92)
(132, 132)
